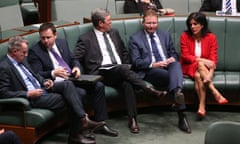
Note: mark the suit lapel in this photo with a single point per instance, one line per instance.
(16, 73)
(146, 44)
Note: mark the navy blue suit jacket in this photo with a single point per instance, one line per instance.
(214, 5)
(140, 50)
(41, 62)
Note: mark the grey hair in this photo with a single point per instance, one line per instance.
(98, 15)
(16, 42)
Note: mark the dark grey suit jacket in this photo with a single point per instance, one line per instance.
(89, 54)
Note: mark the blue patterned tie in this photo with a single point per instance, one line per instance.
(155, 49)
(30, 77)
(228, 6)
(60, 60)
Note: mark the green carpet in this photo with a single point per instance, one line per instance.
(157, 127)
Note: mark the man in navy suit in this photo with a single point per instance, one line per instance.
(44, 61)
(214, 5)
(155, 59)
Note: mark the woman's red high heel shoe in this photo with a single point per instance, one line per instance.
(222, 101)
(201, 115)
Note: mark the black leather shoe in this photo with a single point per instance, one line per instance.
(179, 97)
(88, 124)
(183, 123)
(155, 92)
(80, 139)
(133, 125)
(106, 130)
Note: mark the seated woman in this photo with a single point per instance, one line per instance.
(139, 6)
(199, 58)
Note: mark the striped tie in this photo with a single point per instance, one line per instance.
(228, 7)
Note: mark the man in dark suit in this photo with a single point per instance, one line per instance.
(139, 6)
(18, 80)
(101, 51)
(155, 60)
(214, 5)
(47, 64)
(9, 137)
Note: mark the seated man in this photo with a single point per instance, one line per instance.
(101, 51)
(52, 59)
(18, 80)
(9, 137)
(155, 59)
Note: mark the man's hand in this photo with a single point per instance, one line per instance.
(48, 84)
(61, 72)
(35, 93)
(76, 72)
(2, 131)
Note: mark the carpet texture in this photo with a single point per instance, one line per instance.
(157, 126)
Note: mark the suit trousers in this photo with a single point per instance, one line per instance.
(64, 93)
(170, 77)
(122, 77)
(96, 97)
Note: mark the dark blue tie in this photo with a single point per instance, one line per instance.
(155, 49)
(30, 77)
(60, 60)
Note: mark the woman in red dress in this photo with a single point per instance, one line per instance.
(199, 58)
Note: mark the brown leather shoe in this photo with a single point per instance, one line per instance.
(152, 91)
(80, 139)
(133, 125)
(88, 124)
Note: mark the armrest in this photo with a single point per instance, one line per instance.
(17, 102)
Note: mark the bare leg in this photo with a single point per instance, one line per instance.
(201, 92)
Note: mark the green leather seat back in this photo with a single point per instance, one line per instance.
(119, 25)
(223, 132)
(179, 27)
(217, 25)
(232, 50)
(132, 26)
(72, 34)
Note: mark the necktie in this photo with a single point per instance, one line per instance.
(228, 6)
(30, 77)
(109, 48)
(155, 49)
(60, 60)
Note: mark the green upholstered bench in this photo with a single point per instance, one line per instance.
(226, 78)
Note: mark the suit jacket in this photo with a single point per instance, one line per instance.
(11, 82)
(131, 6)
(89, 54)
(41, 62)
(140, 50)
(188, 59)
(214, 5)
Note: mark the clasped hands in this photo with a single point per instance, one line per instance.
(163, 64)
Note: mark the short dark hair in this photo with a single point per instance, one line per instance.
(46, 26)
(200, 18)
